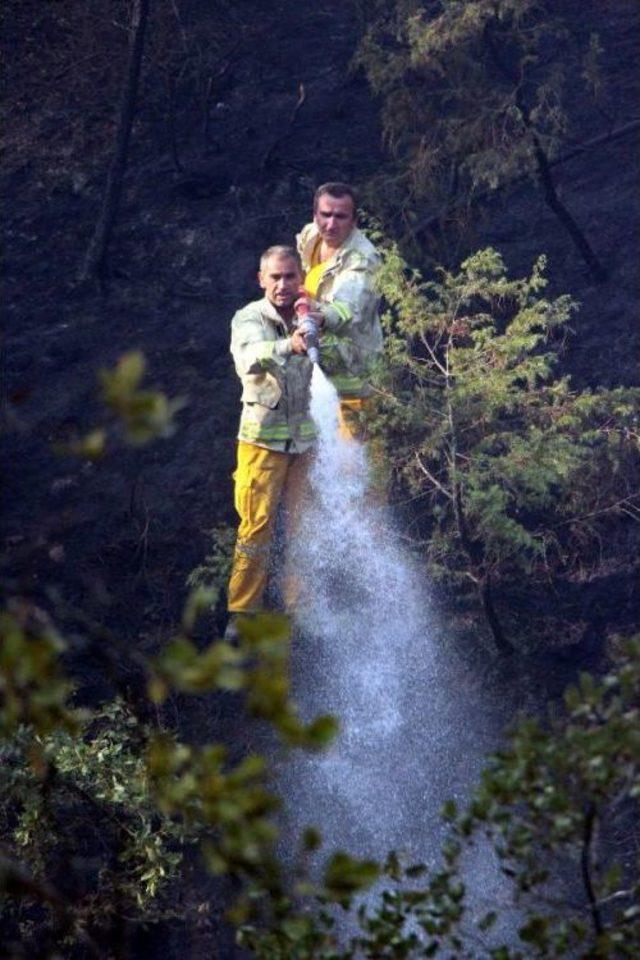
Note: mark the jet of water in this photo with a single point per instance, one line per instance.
(367, 647)
(361, 617)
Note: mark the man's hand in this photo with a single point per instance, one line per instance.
(298, 344)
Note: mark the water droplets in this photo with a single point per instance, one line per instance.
(361, 612)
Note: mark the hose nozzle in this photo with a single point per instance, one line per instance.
(308, 328)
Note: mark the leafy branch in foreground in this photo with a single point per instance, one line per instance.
(564, 799)
(516, 470)
(557, 806)
(141, 415)
(80, 833)
(98, 808)
(35, 689)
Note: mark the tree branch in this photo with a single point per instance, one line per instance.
(587, 865)
(433, 480)
(576, 151)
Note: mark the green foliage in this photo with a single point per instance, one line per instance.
(145, 414)
(148, 795)
(141, 415)
(214, 571)
(77, 803)
(345, 876)
(558, 806)
(448, 56)
(550, 802)
(201, 784)
(258, 666)
(516, 469)
(33, 688)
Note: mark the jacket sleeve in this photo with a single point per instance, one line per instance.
(353, 307)
(252, 352)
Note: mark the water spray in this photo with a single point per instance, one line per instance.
(415, 721)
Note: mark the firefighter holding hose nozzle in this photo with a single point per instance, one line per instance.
(274, 342)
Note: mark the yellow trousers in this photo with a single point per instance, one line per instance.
(351, 427)
(263, 479)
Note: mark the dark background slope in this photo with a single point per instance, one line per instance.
(184, 259)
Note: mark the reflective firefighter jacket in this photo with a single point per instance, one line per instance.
(352, 337)
(275, 381)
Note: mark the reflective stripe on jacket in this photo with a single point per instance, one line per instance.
(349, 304)
(275, 381)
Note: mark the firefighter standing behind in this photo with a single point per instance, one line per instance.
(276, 433)
(340, 263)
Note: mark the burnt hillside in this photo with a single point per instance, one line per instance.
(183, 260)
(242, 111)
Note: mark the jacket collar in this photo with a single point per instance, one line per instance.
(356, 240)
(268, 308)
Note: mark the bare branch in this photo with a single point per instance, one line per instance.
(587, 866)
(433, 480)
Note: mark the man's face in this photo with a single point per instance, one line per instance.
(280, 278)
(335, 219)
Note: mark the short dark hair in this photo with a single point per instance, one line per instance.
(290, 253)
(337, 190)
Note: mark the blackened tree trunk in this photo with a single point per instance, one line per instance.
(543, 165)
(503, 647)
(95, 260)
(545, 179)
(481, 575)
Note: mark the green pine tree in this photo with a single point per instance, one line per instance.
(509, 460)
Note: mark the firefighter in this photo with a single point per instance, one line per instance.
(339, 263)
(276, 433)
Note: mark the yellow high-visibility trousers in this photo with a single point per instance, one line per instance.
(263, 479)
(351, 427)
